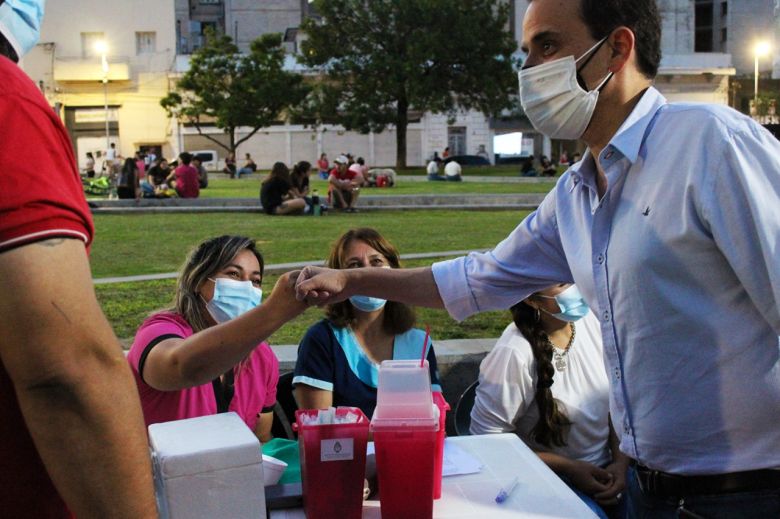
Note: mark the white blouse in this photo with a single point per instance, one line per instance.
(505, 400)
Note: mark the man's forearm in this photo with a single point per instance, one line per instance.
(415, 287)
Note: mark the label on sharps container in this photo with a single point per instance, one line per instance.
(337, 450)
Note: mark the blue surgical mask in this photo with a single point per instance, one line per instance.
(232, 298)
(20, 23)
(367, 304)
(573, 307)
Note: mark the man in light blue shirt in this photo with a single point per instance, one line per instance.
(670, 228)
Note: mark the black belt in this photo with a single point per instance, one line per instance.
(662, 484)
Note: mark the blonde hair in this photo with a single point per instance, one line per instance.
(204, 262)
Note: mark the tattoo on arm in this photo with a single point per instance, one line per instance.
(52, 242)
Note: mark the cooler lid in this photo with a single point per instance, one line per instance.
(203, 444)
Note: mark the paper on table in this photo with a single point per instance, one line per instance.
(457, 461)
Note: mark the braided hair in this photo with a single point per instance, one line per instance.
(553, 424)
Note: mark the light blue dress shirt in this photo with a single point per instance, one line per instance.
(680, 260)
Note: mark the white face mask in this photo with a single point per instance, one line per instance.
(553, 99)
(232, 298)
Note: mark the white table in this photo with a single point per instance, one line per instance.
(539, 494)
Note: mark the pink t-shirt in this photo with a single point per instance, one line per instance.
(255, 378)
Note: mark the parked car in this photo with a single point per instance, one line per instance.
(468, 160)
(208, 158)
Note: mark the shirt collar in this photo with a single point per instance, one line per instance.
(629, 137)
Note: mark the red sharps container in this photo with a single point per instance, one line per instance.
(405, 427)
(333, 463)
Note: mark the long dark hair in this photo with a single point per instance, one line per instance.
(299, 171)
(398, 317)
(279, 170)
(7, 50)
(129, 173)
(553, 424)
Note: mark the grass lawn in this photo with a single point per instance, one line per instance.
(152, 243)
(249, 187)
(130, 244)
(127, 304)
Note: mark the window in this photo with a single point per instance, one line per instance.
(703, 16)
(89, 41)
(210, 1)
(145, 43)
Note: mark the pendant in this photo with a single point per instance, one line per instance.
(560, 362)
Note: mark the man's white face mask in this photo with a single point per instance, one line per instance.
(553, 99)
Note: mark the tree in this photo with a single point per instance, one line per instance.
(233, 90)
(393, 56)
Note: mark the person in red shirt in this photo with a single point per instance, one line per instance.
(344, 185)
(186, 179)
(71, 430)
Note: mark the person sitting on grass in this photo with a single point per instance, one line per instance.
(344, 185)
(276, 193)
(433, 169)
(185, 179)
(299, 179)
(452, 172)
(127, 183)
(207, 354)
(249, 166)
(203, 175)
(230, 165)
(361, 170)
(156, 184)
(548, 169)
(339, 357)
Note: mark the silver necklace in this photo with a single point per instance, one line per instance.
(559, 359)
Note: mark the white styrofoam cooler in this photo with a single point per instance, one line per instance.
(207, 467)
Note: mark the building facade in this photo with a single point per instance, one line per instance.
(707, 51)
(140, 50)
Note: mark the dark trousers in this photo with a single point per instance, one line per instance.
(739, 505)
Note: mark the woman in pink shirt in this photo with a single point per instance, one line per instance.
(206, 354)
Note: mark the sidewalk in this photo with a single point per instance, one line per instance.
(277, 268)
(518, 201)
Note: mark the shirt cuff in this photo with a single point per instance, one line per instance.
(453, 284)
(313, 382)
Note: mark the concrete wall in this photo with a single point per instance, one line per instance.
(245, 20)
(748, 22)
(292, 143)
(436, 126)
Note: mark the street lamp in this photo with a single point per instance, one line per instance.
(760, 50)
(101, 47)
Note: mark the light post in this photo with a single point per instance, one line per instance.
(760, 50)
(102, 48)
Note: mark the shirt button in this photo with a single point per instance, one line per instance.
(626, 428)
(600, 259)
(606, 316)
(617, 374)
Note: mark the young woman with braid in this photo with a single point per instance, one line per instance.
(545, 381)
